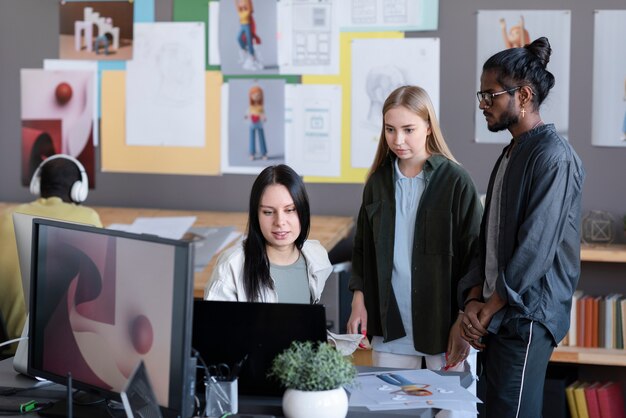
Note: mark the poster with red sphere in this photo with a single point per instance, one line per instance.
(57, 117)
(96, 30)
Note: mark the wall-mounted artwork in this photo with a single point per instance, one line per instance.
(501, 29)
(253, 134)
(384, 15)
(165, 103)
(96, 30)
(57, 117)
(247, 37)
(313, 129)
(609, 79)
(396, 63)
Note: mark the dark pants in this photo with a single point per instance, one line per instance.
(515, 362)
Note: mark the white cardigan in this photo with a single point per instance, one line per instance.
(227, 279)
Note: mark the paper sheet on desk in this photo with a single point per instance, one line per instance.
(447, 392)
(208, 241)
(173, 227)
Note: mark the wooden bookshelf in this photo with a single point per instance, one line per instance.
(584, 355)
(612, 253)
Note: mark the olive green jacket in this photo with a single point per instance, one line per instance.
(446, 232)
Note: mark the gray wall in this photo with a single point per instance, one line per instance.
(29, 33)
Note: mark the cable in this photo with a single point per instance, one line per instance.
(12, 341)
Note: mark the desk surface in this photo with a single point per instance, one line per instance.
(250, 405)
(328, 230)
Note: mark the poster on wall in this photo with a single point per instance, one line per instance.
(385, 15)
(96, 30)
(308, 37)
(165, 85)
(313, 129)
(253, 125)
(609, 80)
(247, 37)
(396, 63)
(501, 29)
(57, 118)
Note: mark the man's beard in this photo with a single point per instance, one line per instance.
(506, 119)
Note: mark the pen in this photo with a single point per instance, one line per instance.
(237, 367)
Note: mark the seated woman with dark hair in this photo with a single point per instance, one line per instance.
(276, 262)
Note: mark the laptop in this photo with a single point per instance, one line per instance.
(226, 332)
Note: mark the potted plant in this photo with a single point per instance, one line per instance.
(313, 374)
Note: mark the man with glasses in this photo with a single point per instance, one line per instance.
(517, 297)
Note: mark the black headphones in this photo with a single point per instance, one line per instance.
(80, 188)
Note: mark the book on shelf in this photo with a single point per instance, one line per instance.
(591, 396)
(602, 301)
(580, 318)
(611, 400)
(573, 319)
(571, 402)
(581, 401)
(619, 336)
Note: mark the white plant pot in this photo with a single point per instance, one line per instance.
(322, 404)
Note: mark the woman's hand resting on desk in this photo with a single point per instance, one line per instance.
(358, 316)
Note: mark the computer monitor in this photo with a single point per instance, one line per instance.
(102, 301)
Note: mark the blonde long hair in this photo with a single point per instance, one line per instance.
(415, 99)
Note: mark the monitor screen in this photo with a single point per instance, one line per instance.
(102, 301)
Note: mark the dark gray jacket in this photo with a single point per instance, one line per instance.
(539, 236)
(445, 240)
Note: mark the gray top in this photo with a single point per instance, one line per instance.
(493, 226)
(291, 282)
(408, 191)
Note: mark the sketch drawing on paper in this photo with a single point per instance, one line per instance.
(381, 81)
(175, 63)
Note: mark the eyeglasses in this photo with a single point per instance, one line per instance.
(488, 97)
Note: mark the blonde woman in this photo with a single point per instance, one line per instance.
(416, 234)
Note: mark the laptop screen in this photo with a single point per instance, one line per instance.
(225, 332)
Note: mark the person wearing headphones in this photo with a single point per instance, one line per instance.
(61, 184)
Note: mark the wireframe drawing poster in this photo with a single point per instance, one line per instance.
(501, 29)
(609, 79)
(96, 30)
(57, 117)
(165, 99)
(247, 37)
(384, 15)
(308, 37)
(313, 129)
(397, 62)
(253, 121)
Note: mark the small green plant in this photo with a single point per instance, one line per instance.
(311, 366)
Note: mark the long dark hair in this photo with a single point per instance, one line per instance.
(256, 267)
(524, 66)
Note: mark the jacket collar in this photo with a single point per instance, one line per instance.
(432, 163)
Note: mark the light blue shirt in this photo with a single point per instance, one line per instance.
(408, 192)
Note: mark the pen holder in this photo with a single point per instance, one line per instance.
(221, 397)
